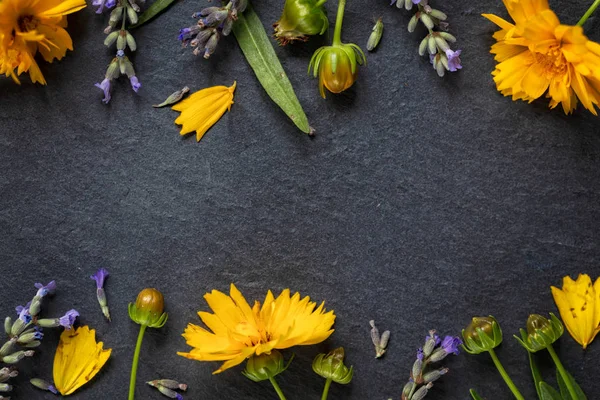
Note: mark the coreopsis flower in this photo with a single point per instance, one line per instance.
(203, 109)
(538, 55)
(237, 331)
(300, 19)
(29, 26)
(78, 359)
(579, 305)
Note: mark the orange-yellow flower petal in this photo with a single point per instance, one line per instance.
(579, 305)
(203, 109)
(237, 331)
(78, 359)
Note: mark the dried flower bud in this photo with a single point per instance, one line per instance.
(262, 367)
(482, 334)
(148, 309)
(331, 366)
(168, 383)
(300, 19)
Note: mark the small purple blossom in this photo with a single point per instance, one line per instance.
(52, 389)
(45, 290)
(420, 355)
(103, 3)
(184, 34)
(450, 344)
(179, 397)
(68, 319)
(19, 309)
(99, 277)
(434, 336)
(23, 313)
(453, 60)
(135, 84)
(416, 1)
(105, 86)
(120, 53)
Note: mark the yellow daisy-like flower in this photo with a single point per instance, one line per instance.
(29, 26)
(537, 55)
(240, 331)
(203, 109)
(579, 306)
(78, 359)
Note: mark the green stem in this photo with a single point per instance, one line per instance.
(134, 364)
(320, 3)
(589, 12)
(562, 370)
(337, 34)
(505, 376)
(326, 389)
(277, 388)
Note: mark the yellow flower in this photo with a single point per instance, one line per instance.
(29, 26)
(579, 306)
(537, 55)
(203, 109)
(78, 359)
(240, 331)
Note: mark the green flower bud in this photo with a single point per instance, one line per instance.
(482, 334)
(331, 366)
(7, 325)
(540, 333)
(301, 18)
(265, 366)
(148, 309)
(375, 36)
(5, 387)
(42, 384)
(408, 388)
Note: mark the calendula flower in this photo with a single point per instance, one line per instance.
(538, 55)
(29, 26)
(78, 359)
(579, 305)
(203, 109)
(238, 331)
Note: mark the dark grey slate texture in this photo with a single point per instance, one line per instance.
(420, 203)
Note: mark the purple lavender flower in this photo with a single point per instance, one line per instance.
(416, 1)
(135, 84)
(23, 313)
(420, 355)
(68, 319)
(450, 344)
(103, 3)
(99, 277)
(105, 86)
(45, 290)
(453, 60)
(434, 336)
(185, 34)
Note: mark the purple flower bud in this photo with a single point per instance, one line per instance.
(45, 290)
(99, 277)
(450, 344)
(416, 1)
(24, 313)
(434, 336)
(105, 86)
(420, 354)
(453, 60)
(135, 84)
(120, 53)
(68, 319)
(19, 309)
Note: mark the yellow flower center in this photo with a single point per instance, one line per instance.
(553, 62)
(244, 331)
(27, 23)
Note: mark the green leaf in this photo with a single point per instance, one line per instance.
(259, 52)
(563, 387)
(548, 392)
(535, 372)
(475, 395)
(156, 8)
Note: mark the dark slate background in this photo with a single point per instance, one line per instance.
(420, 203)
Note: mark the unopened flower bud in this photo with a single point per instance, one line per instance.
(421, 392)
(482, 334)
(16, 357)
(115, 16)
(36, 306)
(262, 367)
(375, 36)
(211, 45)
(42, 384)
(417, 369)
(121, 42)
(300, 19)
(441, 43)
(437, 14)
(5, 387)
(168, 383)
(427, 21)
(331, 366)
(541, 332)
(29, 337)
(111, 38)
(431, 45)
(447, 36)
(148, 309)
(8, 347)
(434, 375)
(423, 45)
(407, 389)
(412, 24)
(7, 325)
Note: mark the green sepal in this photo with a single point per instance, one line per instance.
(146, 317)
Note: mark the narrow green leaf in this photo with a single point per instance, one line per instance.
(563, 387)
(259, 52)
(548, 392)
(156, 8)
(475, 395)
(535, 372)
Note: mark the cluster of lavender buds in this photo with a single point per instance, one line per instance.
(213, 22)
(168, 387)
(423, 375)
(435, 43)
(123, 11)
(26, 332)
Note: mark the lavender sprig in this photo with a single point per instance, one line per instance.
(124, 10)
(435, 43)
(422, 374)
(213, 22)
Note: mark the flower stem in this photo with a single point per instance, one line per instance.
(134, 364)
(320, 3)
(505, 376)
(337, 34)
(277, 388)
(560, 367)
(326, 389)
(589, 12)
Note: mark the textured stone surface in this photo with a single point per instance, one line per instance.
(420, 203)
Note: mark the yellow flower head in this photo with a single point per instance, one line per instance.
(203, 109)
(27, 26)
(78, 359)
(538, 55)
(579, 306)
(240, 331)
(336, 66)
